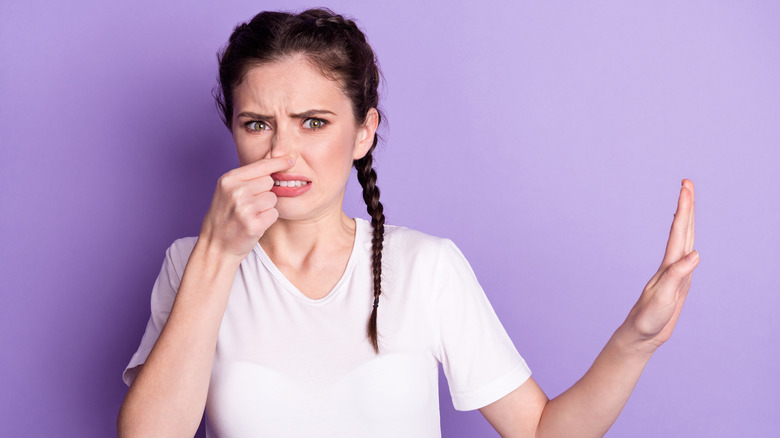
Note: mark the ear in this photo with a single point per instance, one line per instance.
(365, 134)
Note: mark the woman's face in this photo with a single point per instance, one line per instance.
(288, 108)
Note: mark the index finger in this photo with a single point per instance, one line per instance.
(264, 167)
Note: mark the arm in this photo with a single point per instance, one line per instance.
(591, 406)
(169, 393)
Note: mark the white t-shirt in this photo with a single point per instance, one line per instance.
(286, 365)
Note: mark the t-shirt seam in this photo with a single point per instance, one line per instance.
(467, 397)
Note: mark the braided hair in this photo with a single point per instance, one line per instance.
(339, 49)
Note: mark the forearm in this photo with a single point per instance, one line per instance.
(591, 406)
(169, 393)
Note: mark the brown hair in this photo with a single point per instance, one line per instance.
(339, 49)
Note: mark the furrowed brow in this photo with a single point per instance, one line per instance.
(252, 115)
(311, 113)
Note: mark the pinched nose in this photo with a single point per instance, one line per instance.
(283, 145)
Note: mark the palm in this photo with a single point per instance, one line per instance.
(655, 314)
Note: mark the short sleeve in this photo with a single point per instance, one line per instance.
(478, 357)
(163, 295)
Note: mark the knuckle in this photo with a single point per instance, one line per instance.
(237, 193)
(225, 181)
(244, 212)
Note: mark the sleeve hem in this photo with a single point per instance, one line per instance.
(128, 375)
(495, 390)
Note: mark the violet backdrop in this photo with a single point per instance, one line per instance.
(547, 139)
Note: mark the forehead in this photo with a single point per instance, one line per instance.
(290, 84)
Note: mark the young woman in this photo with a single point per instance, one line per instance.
(285, 317)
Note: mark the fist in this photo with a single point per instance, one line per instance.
(243, 207)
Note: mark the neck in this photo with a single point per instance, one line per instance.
(296, 242)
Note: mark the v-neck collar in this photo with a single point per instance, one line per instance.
(360, 231)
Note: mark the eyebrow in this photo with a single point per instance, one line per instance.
(303, 115)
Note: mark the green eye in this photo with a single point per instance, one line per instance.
(256, 126)
(314, 123)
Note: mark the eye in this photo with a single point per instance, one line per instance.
(256, 125)
(312, 123)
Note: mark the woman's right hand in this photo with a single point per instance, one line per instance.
(242, 208)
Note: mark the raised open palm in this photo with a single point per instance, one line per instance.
(655, 313)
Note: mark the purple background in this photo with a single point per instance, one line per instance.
(547, 139)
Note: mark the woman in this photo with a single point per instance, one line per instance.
(270, 318)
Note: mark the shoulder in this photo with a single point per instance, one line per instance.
(408, 240)
(418, 247)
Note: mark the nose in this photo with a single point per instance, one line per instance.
(283, 143)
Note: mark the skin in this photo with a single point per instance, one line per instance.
(312, 238)
(591, 406)
(309, 238)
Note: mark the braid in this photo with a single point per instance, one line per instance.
(367, 178)
(323, 19)
(339, 48)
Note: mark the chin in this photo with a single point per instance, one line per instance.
(289, 212)
(292, 209)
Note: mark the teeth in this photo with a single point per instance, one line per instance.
(296, 183)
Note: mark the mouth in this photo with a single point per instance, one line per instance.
(290, 183)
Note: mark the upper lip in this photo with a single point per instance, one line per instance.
(289, 177)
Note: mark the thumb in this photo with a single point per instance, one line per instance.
(675, 273)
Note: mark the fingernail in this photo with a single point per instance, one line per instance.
(693, 256)
(290, 161)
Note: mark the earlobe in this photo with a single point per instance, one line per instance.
(365, 135)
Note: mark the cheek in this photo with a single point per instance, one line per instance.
(331, 160)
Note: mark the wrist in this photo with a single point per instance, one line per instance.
(629, 342)
(214, 255)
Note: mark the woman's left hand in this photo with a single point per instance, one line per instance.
(652, 319)
(591, 406)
